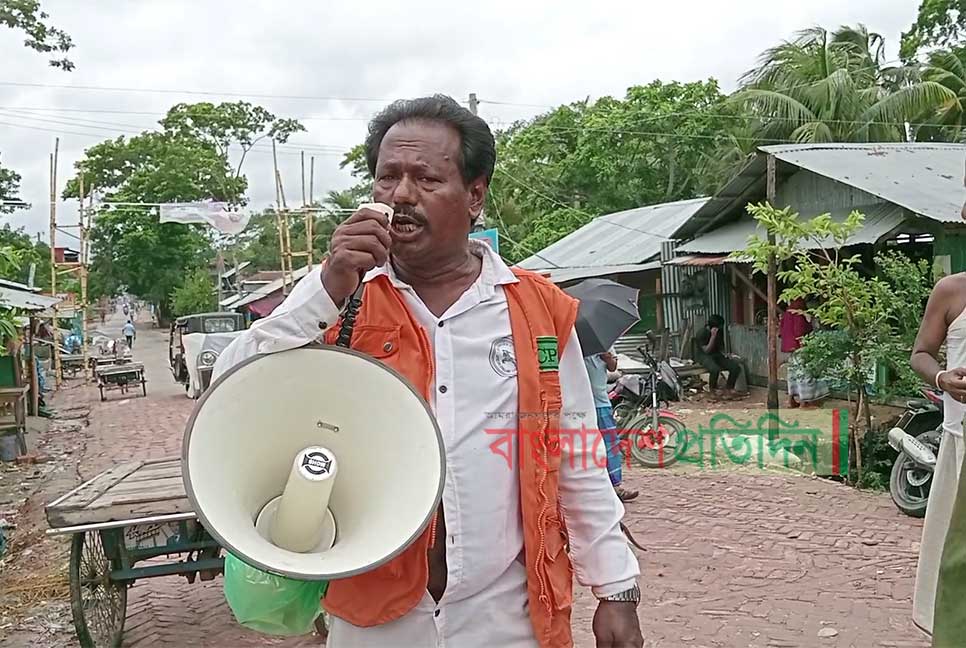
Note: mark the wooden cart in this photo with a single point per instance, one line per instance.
(132, 513)
(121, 376)
(71, 363)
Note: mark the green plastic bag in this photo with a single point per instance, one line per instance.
(271, 604)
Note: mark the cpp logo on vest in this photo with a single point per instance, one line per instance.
(547, 353)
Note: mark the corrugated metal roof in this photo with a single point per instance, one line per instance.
(624, 238)
(880, 219)
(22, 299)
(925, 178)
(229, 301)
(561, 275)
(18, 286)
(268, 289)
(699, 260)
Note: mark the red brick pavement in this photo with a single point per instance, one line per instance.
(736, 558)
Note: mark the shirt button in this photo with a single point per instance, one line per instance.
(436, 613)
(442, 389)
(440, 325)
(323, 325)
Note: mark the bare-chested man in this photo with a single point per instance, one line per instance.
(944, 322)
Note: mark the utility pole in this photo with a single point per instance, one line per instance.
(474, 104)
(772, 311)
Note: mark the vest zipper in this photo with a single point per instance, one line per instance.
(541, 519)
(432, 531)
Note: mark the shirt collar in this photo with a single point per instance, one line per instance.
(494, 272)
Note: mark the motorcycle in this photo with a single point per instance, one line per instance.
(646, 427)
(916, 438)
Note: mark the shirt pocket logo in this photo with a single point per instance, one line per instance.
(503, 360)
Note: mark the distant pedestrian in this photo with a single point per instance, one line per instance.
(804, 390)
(130, 333)
(597, 367)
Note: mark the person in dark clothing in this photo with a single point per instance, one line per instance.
(710, 353)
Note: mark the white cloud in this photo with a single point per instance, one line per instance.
(522, 52)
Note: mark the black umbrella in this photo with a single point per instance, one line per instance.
(607, 310)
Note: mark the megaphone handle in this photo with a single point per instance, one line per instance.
(349, 317)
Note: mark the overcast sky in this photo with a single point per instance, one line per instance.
(333, 64)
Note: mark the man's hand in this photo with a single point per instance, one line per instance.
(358, 245)
(610, 360)
(616, 625)
(953, 382)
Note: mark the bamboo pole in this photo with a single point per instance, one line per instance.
(53, 256)
(82, 270)
(278, 219)
(303, 179)
(312, 180)
(34, 382)
(772, 313)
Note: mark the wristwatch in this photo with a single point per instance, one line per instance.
(632, 595)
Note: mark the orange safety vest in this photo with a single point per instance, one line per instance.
(541, 318)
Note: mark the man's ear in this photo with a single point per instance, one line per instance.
(478, 189)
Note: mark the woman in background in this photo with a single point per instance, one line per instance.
(803, 389)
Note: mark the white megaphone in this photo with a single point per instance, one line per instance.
(316, 463)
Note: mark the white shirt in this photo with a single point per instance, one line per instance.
(473, 352)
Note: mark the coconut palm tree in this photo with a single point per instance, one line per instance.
(835, 87)
(946, 122)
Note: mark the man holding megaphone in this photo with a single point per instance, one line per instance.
(526, 503)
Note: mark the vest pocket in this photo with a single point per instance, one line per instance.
(376, 341)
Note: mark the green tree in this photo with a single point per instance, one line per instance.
(867, 320)
(195, 294)
(26, 16)
(11, 260)
(28, 252)
(187, 160)
(227, 125)
(9, 188)
(946, 67)
(834, 87)
(560, 169)
(939, 23)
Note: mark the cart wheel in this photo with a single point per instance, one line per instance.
(98, 604)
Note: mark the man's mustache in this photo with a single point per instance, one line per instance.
(410, 212)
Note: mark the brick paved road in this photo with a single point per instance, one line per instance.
(736, 559)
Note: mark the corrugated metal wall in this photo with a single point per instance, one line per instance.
(670, 285)
(811, 194)
(751, 343)
(678, 309)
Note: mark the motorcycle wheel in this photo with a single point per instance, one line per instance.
(650, 449)
(908, 485)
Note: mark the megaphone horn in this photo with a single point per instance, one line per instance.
(316, 463)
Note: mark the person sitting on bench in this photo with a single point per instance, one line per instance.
(709, 353)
